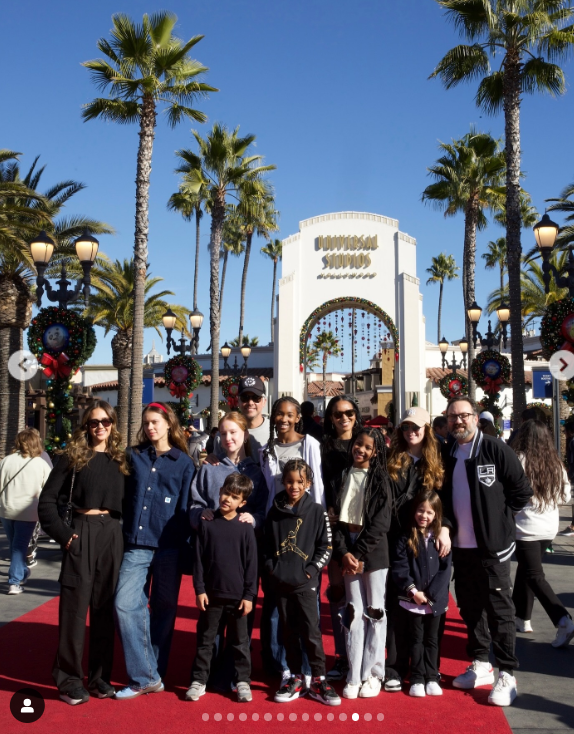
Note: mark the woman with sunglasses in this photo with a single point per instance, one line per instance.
(414, 465)
(342, 423)
(90, 475)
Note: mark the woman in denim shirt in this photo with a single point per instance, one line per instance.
(156, 530)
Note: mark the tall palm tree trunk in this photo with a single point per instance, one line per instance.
(470, 223)
(439, 312)
(197, 241)
(511, 91)
(217, 219)
(145, 150)
(223, 273)
(273, 300)
(324, 383)
(248, 238)
(122, 348)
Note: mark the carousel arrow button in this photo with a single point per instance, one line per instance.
(561, 365)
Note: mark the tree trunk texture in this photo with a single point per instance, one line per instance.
(273, 300)
(324, 380)
(511, 90)
(15, 315)
(248, 239)
(145, 150)
(470, 223)
(122, 348)
(439, 312)
(223, 273)
(197, 242)
(217, 219)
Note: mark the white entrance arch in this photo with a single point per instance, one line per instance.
(345, 258)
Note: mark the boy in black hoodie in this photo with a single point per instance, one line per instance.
(297, 548)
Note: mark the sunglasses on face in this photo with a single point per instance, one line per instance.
(251, 398)
(338, 414)
(406, 427)
(93, 423)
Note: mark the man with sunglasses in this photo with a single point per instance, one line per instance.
(484, 486)
(252, 402)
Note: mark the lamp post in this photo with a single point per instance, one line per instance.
(42, 248)
(443, 345)
(489, 340)
(196, 320)
(545, 233)
(236, 370)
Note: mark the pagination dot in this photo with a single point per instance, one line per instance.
(230, 717)
(342, 717)
(292, 717)
(205, 717)
(255, 717)
(355, 717)
(268, 717)
(217, 717)
(318, 717)
(242, 717)
(280, 717)
(305, 717)
(368, 717)
(380, 717)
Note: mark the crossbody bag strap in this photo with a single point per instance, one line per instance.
(15, 475)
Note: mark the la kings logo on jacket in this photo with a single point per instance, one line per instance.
(486, 474)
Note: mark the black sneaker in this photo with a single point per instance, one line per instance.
(291, 690)
(101, 689)
(393, 684)
(321, 691)
(76, 696)
(339, 670)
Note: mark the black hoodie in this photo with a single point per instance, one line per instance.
(297, 542)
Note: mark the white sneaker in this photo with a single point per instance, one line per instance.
(432, 688)
(370, 688)
(195, 690)
(504, 692)
(477, 674)
(15, 589)
(564, 632)
(351, 690)
(307, 679)
(285, 677)
(523, 625)
(417, 690)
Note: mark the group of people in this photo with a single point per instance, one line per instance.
(270, 508)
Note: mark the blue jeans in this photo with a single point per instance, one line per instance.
(19, 533)
(146, 634)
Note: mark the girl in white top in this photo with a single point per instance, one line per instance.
(22, 476)
(536, 527)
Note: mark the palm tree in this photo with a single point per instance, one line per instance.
(565, 203)
(257, 215)
(274, 251)
(231, 244)
(327, 344)
(146, 67)
(190, 206)
(525, 37)
(220, 168)
(443, 268)
(247, 341)
(495, 256)
(111, 307)
(468, 179)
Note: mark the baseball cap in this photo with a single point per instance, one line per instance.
(419, 416)
(487, 416)
(251, 384)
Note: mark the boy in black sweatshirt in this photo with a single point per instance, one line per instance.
(225, 582)
(297, 548)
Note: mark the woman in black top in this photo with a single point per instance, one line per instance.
(342, 423)
(92, 468)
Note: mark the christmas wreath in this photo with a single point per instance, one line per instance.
(491, 406)
(453, 385)
(557, 327)
(206, 412)
(490, 370)
(182, 375)
(230, 391)
(62, 341)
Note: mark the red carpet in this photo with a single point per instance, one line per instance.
(27, 648)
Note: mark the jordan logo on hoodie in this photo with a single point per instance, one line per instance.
(289, 544)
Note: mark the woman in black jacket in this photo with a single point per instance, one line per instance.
(90, 474)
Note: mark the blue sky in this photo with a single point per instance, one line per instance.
(338, 97)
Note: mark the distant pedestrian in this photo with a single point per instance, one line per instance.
(310, 425)
(486, 424)
(440, 428)
(569, 433)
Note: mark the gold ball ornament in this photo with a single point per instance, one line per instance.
(50, 405)
(56, 439)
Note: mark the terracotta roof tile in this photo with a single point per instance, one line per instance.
(332, 388)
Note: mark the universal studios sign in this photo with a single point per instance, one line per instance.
(347, 252)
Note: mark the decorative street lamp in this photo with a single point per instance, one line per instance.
(196, 320)
(545, 233)
(236, 370)
(443, 345)
(489, 341)
(42, 248)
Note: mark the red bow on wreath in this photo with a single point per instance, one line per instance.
(492, 386)
(56, 367)
(232, 401)
(178, 390)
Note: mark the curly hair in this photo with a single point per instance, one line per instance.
(270, 448)
(378, 474)
(429, 466)
(542, 465)
(236, 417)
(430, 496)
(175, 431)
(329, 429)
(28, 443)
(300, 466)
(79, 449)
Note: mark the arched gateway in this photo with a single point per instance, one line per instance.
(350, 260)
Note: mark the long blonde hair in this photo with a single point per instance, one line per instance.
(176, 435)
(79, 450)
(236, 417)
(28, 443)
(429, 466)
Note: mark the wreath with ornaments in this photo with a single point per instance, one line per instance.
(206, 412)
(491, 406)
(490, 370)
(557, 327)
(230, 391)
(453, 385)
(182, 375)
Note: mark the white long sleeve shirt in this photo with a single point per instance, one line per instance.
(20, 490)
(532, 524)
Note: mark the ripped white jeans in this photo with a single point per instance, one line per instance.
(365, 623)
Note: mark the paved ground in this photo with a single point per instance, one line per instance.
(545, 680)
